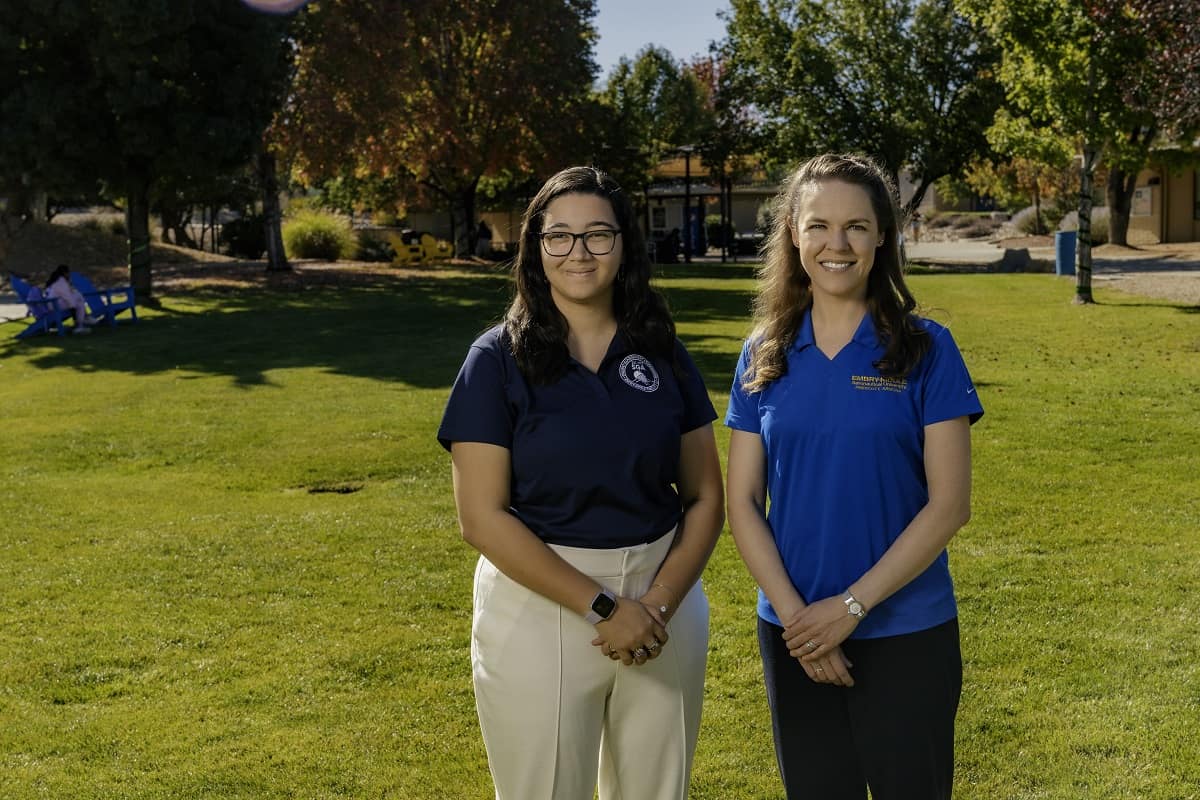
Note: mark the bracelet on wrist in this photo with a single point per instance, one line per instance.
(665, 607)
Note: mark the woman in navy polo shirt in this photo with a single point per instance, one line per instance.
(853, 416)
(586, 474)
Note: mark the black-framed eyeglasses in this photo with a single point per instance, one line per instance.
(561, 243)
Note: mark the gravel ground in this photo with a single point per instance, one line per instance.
(1167, 271)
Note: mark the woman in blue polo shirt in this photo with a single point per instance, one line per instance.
(852, 415)
(586, 474)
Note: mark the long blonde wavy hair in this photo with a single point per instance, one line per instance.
(785, 290)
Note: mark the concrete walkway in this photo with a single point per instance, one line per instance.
(9, 307)
(968, 252)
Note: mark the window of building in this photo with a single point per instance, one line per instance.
(658, 218)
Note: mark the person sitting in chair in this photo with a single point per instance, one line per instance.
(59, 287)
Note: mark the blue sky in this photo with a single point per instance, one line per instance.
(685, 27)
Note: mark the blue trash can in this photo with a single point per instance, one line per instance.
(1064, 253)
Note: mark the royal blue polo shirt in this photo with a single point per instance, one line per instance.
(845, 466)
(595, 454)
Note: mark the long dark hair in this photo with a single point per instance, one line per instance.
(786, 291)
(61, 271)
(536, 330)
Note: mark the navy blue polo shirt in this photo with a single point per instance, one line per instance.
(845, 466)
(594, 455)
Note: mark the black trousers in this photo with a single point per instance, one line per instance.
(893, 730)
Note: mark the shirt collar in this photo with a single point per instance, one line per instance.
(865, 334)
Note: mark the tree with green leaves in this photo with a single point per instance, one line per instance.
(436, 96)
(910, 82)
(651, 106)
(1159, 41)
(1097, 77)
(140, 97)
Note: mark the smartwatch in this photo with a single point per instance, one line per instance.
(603, 606)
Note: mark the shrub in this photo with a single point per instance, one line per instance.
(1024, 221)
(116, 227)
(1070, 222)
(319, 235)
(713, 233)
(245, 237)
(373, 248)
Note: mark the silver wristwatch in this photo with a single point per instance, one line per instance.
(853, 607)
(602, 607)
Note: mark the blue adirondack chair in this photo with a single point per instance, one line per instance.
(46, 312)
(101, 302)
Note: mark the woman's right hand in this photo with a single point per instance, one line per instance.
(632, 633)
(833, 668)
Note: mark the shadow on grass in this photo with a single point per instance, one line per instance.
(414, 331)
(1181, 308)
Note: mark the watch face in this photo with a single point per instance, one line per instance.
(604, 606)
(856, 609)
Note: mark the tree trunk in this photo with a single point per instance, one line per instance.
(733, 253)
(175, 226)
(646, 214)
(40, 207)
(471, 230)
(914, 202)
(1119, 192)
(13, 217)
(467, 203)
(1083, 274)
(724, 228)
(1038, 230)
(137, 222)
(268, 180)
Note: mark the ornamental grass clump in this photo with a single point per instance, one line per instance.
(319, 235)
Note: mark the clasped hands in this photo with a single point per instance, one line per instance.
(814, 637)
(634, 634)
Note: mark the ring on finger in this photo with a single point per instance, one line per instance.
(654, 645)
(819, 669)
(640, 652)
(811, 645)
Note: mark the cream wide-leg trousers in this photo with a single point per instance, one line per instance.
(554, 710)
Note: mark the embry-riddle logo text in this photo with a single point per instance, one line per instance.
(638, 372)
(878, 383)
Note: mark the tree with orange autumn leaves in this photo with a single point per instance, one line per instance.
(434, 96)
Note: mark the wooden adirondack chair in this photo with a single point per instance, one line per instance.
(101, 302)
(47, 314)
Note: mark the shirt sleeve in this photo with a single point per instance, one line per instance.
(742, 414)
(947, 391)
(478, 409)
(697, 405)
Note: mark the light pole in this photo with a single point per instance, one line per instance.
(687, 151)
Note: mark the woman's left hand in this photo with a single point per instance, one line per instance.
(819, 629)
(633, 634)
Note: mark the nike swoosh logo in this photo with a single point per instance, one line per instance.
(971, 390)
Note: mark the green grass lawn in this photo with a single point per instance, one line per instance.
(230, 568)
